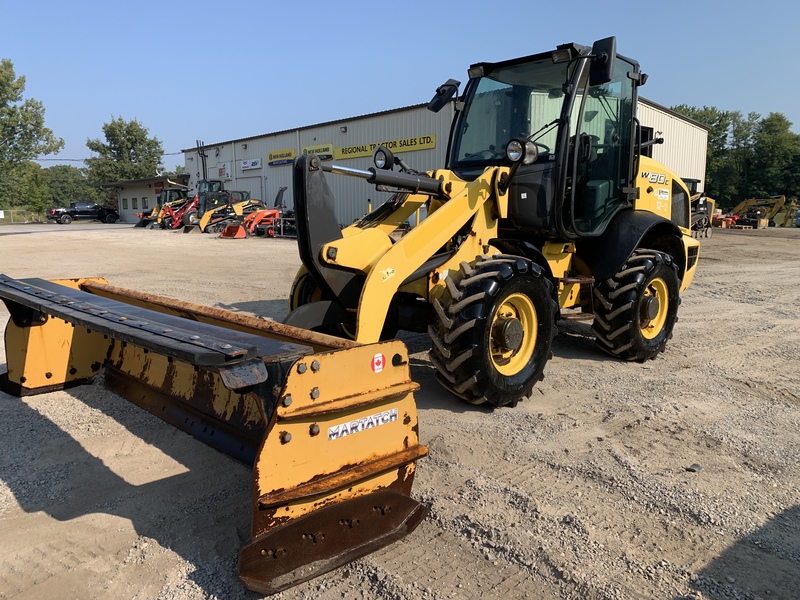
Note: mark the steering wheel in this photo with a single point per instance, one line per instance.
(543, 147)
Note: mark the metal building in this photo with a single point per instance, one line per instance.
(261, 164)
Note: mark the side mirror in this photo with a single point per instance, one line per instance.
(604, 54)
(444, 93)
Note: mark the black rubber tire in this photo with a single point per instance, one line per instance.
(190, 217)
(111, 218)
(469, 360)
(217, 227)
(305, 291)
(621, 325)
(65, 220)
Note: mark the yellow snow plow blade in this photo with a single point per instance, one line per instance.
(328, 425)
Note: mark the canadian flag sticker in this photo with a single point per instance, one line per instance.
(378, 362)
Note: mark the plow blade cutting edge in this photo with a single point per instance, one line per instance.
(328, 425)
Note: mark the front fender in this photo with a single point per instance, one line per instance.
(629, 230)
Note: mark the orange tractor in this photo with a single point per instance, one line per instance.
(270, 222)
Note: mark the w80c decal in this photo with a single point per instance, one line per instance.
(655, 177)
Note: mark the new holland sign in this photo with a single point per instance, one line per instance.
(280, 157)
(324, 151)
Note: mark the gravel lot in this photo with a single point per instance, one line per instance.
(679, 478)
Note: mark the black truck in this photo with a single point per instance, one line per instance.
(82, 210)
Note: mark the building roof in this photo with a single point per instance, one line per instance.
(335, 121)
(164, 178)
(405, 108)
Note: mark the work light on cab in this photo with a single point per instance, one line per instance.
(523, 151)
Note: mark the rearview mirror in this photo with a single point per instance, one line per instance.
(604, 53)
(444, 93)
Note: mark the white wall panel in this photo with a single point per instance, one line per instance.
(684, 151)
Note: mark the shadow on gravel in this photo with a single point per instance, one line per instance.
(203, 514)
(765, 564)
(576, 340)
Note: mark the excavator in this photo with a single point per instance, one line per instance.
(750, 212)
(546, 210)
(791, 211)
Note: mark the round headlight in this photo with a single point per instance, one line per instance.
(515, 151)
(382, 158)
(524, 151)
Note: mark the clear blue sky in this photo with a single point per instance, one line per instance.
(223, 70)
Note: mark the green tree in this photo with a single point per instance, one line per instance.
(127, 153)
(772, 162)
(23, 135)
(748, 157)
(23, 186)
(718, 180)
(69, 184)
(740, 153)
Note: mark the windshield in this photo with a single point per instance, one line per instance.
(520, 100)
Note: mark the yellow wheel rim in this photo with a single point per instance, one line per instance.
(299, 292)
(657, 290)
(510, 359)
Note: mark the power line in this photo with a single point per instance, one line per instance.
(63, 159)
(85, 159)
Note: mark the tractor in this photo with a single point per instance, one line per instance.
(547, 209)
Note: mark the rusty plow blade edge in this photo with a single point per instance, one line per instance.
(327, 539)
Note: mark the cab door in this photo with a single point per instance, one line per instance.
(602, 153)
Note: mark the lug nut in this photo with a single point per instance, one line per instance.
(315, 366)
(315, 393)
(314, 429)
(287, 401)
(301, 368)
(286, 437)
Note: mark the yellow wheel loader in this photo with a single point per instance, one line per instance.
(329, 426)
(547, 209)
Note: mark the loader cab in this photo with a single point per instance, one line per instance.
(170, 195)
(206, 186)
(211, 195)
(577, 105)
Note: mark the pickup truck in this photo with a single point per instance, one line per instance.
(82, 210)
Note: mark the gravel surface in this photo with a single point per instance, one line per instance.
(678, 478)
